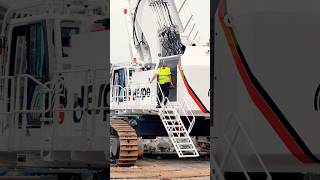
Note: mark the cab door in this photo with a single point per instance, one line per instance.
(119, 84)
(28, 55)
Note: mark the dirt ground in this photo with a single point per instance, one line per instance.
(177, 169)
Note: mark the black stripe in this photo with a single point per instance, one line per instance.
(274, 107)
(195, 94)
(317, 99)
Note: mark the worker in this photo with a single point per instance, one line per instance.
(165, 81)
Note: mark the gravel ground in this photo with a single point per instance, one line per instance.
(177, 169)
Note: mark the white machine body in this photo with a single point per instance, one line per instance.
(54, 85)
(266, 79)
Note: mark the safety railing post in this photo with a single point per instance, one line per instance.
(17, 108)
(12, 95)
(232, 150)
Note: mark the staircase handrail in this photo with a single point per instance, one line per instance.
(240, 129)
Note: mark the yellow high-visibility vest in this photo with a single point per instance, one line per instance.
(164, 75)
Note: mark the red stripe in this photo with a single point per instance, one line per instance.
(190, 92)
(258, 99)
(98, 29)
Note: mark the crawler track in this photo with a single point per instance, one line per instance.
(128, 153)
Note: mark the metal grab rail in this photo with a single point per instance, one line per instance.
(217, 174)
(49, 89)
(184, 107)
(231, 149)
(4, 94)
(15, 103)
(117, 89)
(190, 28)
(45, 90)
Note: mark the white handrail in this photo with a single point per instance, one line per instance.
(231, 149)
(34, 80)
(184, 107)
(45, 90)
(217, 174)
(189, 26)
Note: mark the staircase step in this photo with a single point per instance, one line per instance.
(172, 121)
(180, 138)
(169, 115)
(169, 124)
(169, 119)
(166, 118)
(175, 126)
(170, 111)
(187, 149)
(178, 132)
(193, 155)
(183, 144)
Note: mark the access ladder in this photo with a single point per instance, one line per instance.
(176, 130)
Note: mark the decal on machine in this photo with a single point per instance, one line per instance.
(78, 102)
(139, 93)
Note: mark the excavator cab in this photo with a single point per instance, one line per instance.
(119, 82)
(121, 79)
(36, 51)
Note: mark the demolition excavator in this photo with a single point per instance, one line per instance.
(160, 31)
(57, 95)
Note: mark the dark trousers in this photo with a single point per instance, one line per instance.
(165, 89)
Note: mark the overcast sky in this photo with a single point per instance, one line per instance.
(119, 35)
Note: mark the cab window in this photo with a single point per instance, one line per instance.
(68, 29)
(131, 72)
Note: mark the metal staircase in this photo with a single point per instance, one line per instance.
(177, 132)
